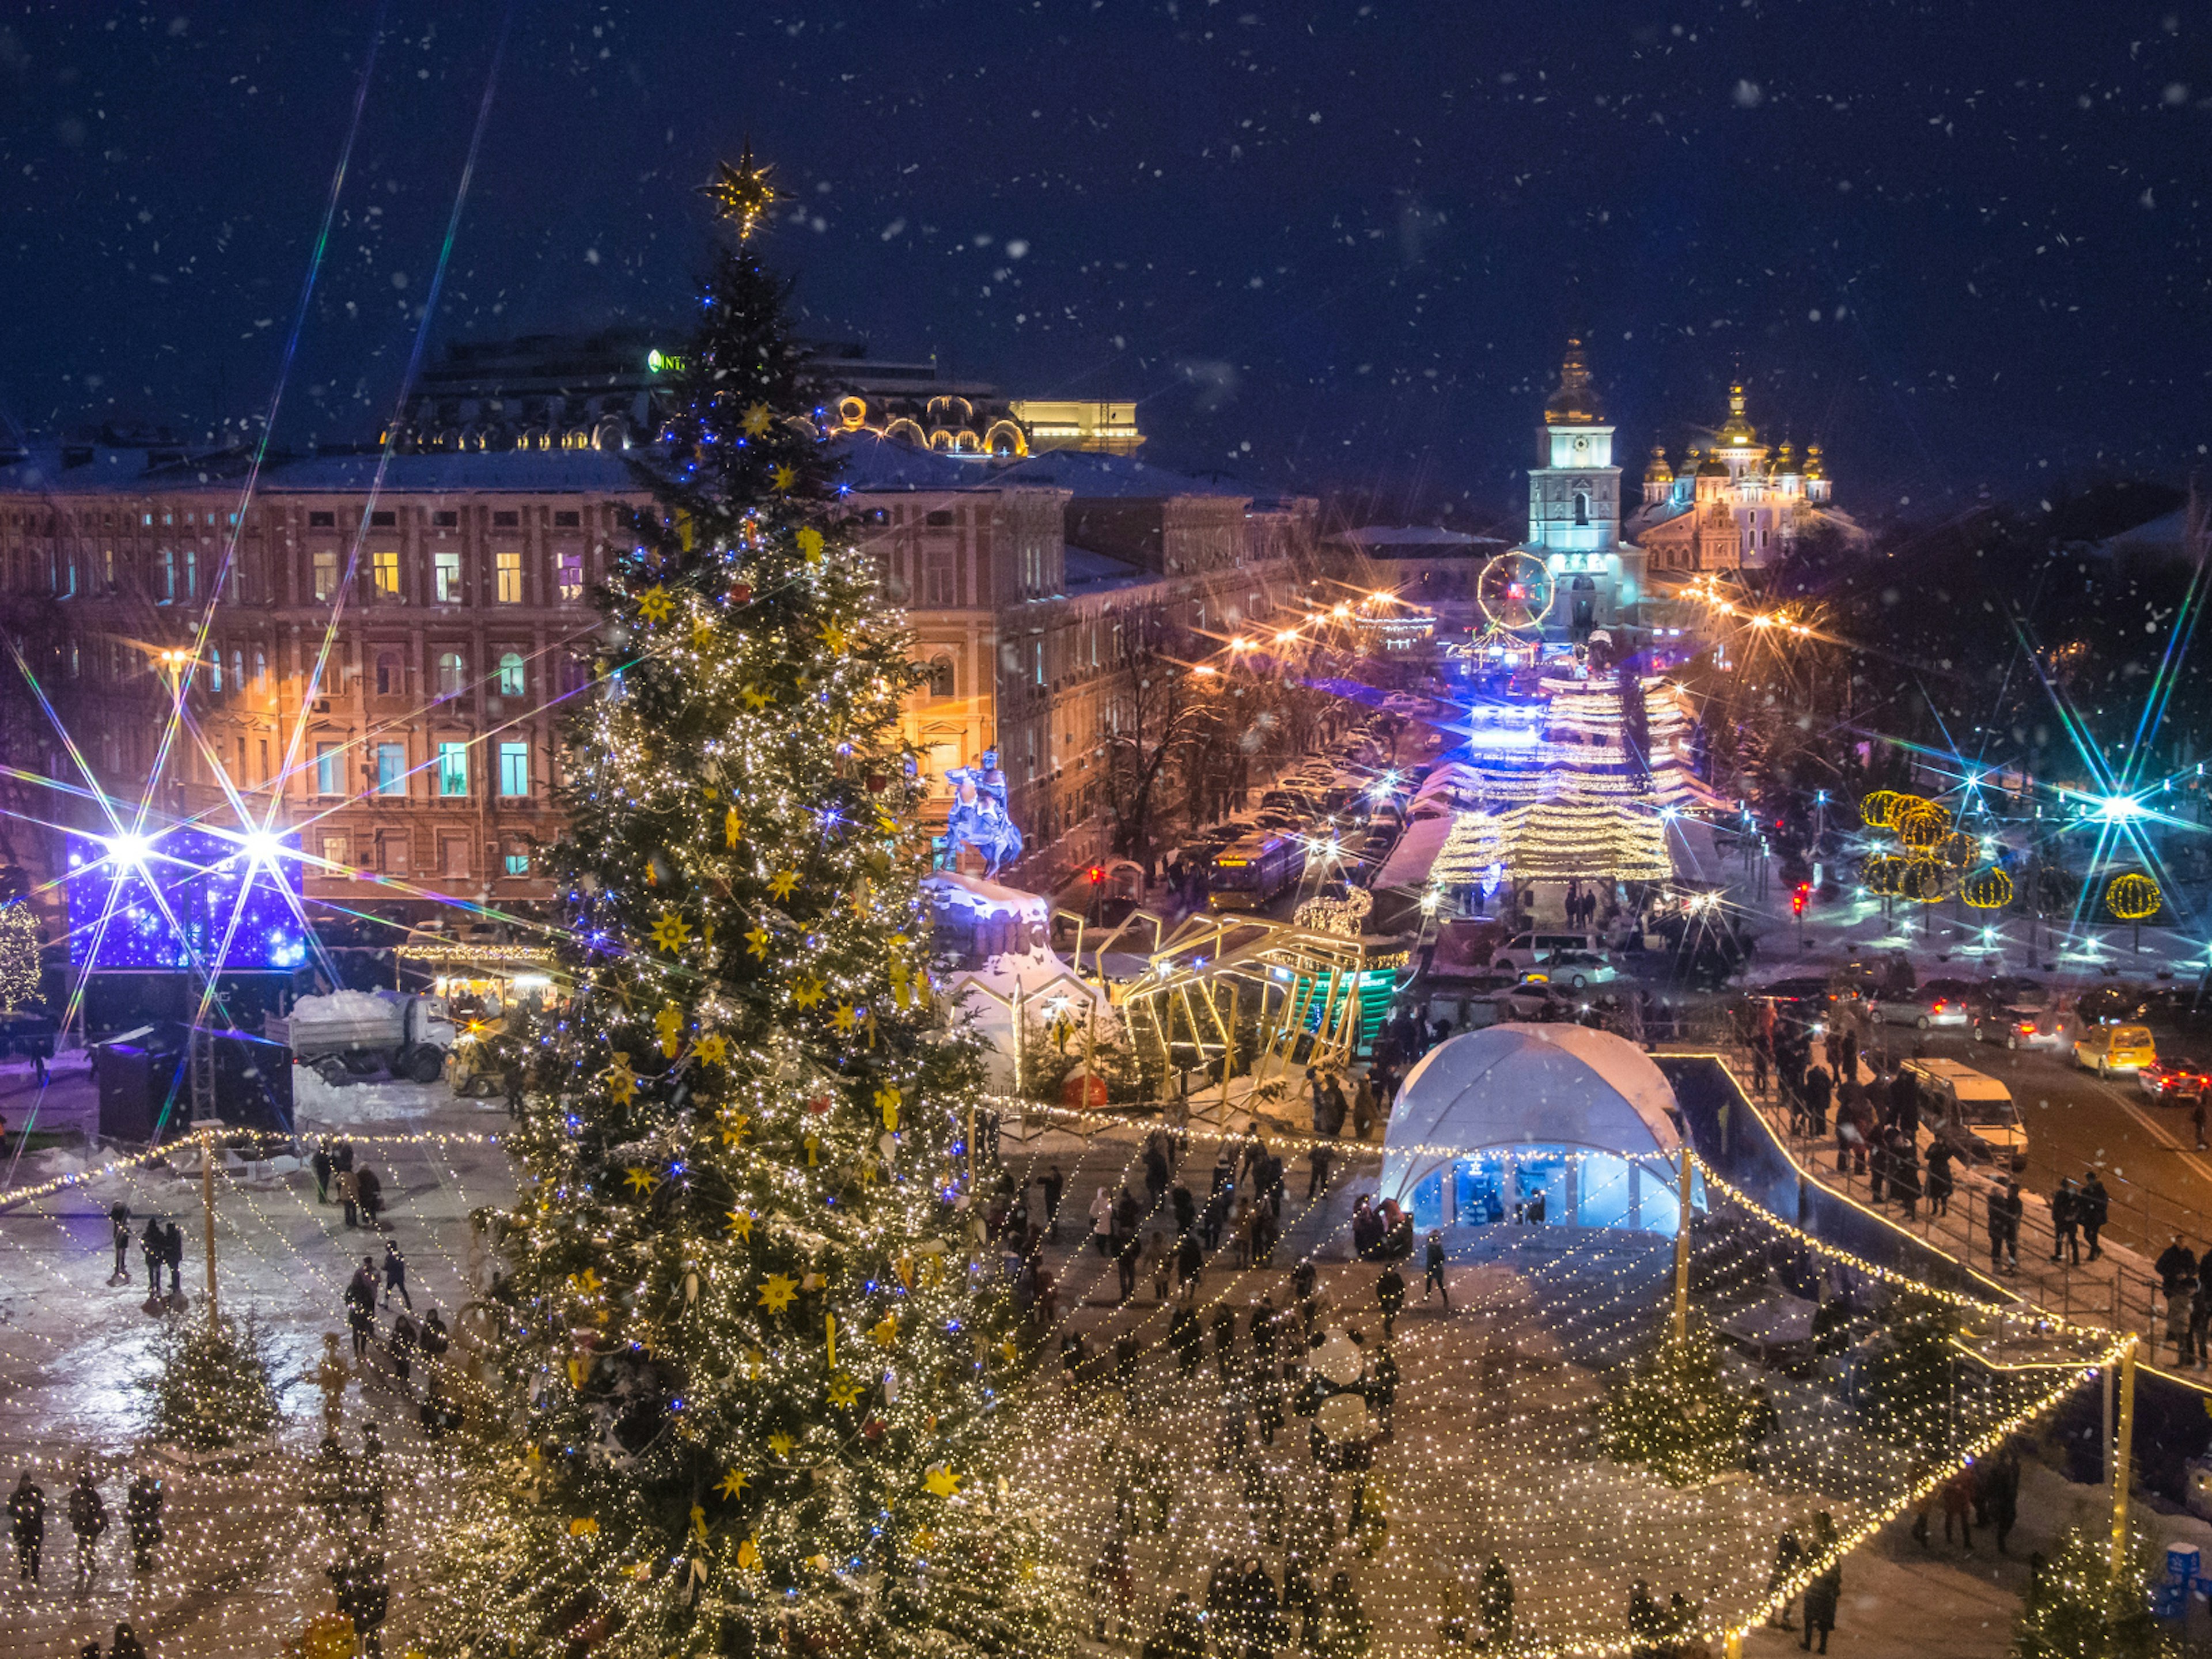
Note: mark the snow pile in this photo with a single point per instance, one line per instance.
(320, 1105)
(342, 1008)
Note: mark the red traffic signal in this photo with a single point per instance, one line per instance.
(1097, 876)
(1804, 891)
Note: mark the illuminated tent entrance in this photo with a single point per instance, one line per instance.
(1555, 1125)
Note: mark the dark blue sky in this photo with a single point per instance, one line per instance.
(1961, 243)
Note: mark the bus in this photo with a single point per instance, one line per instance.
(1251, 871)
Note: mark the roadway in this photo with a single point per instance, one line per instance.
(2077, 1121)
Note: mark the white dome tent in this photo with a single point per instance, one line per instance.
(1557, 1123)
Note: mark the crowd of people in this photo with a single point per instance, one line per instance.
(90, 1520)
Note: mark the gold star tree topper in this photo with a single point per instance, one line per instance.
(742, 194)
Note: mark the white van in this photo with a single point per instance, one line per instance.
(1525, 951)
(1971, 1111)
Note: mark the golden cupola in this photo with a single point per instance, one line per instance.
(1576, 402)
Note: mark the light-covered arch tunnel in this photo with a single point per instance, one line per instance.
(1556, 1124)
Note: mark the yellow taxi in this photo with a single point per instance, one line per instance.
(2106, 1049)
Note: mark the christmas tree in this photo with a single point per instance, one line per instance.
(759, 1357)
(1675, 1412)
(2073, 1609)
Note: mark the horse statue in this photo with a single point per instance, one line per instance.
(979, 816)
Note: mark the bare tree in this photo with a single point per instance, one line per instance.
(1151, 720)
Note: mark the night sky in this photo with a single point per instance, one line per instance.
(1324, 246)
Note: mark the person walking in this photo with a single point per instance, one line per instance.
(1390, 1297)
(1958, 1507)
(88, 1518)
(26, 1520)
(1827, 1590)
(1054, 1182)
(1101, 1224)
(2012, 1209)
(172, 1253)
(349, 1192)
(1342, 1630)
(1432, 1264)
(321, 1163)
(360, 1306)
(126, 1644)
(1789, 1555)
(118, 1221)
(154, 1245)
(1161, 1265)
(1190, 1260)
(2092, 1206)
(406, 1338)
(370, 1188)
(2200, 1320)
(2065, 1218)
(395, 1275)
(2177, 1270)
(1364, 1113)
(1317, 1163)
(142, 1515)
(1941, 1182)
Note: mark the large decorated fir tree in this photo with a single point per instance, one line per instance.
(758, 1354)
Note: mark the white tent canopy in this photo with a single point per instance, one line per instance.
(1557, 1087)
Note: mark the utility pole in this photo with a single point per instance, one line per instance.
(2120, 1448)
(1682, 1255)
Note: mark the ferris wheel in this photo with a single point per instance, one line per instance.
(1514, 589)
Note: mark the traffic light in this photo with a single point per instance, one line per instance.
(1804, 891)
(1097, 875)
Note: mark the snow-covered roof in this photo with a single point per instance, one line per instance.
(1511, 1085)
(1380, 537)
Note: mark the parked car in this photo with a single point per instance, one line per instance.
(1577, 968)
(1927, 1008)
(2023, 1028)
(2106, 1049)
(1534, 999)
(1524, 951)
(1970, 1112)
(2173, 1082)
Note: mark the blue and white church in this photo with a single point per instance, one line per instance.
(1574, 511)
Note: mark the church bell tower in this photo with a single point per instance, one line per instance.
(1574, 508)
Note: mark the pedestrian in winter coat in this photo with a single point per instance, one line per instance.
(1317, 1163)
(1342, 1631)
(1432, 1262)
(1788, 1555)
(172, 1253)
(321, 1162)
(361, 1307)
(142, 1512)
(1958, 1507)
(154, 1245)
(2177, 1269)
(1101, 1224)
(1052, 1180)
(1819, 1090)
(1823, 1594)
(1185, 1338)
(1189, 1260)
(1224, 1339)
(1940, 1183)
(2064, 1219)
(406, 1338)
(2094, 1203)
(1362, 1108)
(1647, 1624)
(370, 1190)
(118, 1220)
(1185, 1205)
(1161, 1265)
(87, 1516)
(127, 1645)
(26, 1519)
(395, 1276)
(1390, 1297)
(1258, 1609)
(2200, 1323)
(349, 1195)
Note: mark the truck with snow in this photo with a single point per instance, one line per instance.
(355, 1034)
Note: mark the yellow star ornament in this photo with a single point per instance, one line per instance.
(672, 932)
(755, 420)
(641, 1179)
(742, 194)
(941, 1481)
(735, 1127)
(834, 639)
(784, 476)
(843, 1392)
(733, 829)
(669, 1022)
(734, 1483)
(777, 1295)
(587, 1282)
(741, 1224)
(781, 1443)
(756, 699)
(782, 882)
(756, 939)
(844, 1019)
(808, 992)
(655, 603)
(885, 1331)
(887, 1103)
(713, 1049)
(622, 1082)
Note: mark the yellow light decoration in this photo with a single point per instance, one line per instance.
(1958, 850)
(1883, 874)
(1876, 809)
(2133, 897)
(1922, 826)
(1987, 890)
(1923, 881)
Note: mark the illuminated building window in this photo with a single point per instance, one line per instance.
(384, 565)
(515, 769)
(517, 859)
(941, 683)
(391, 768)
(328, 758)
(510, 674)
(338, 851)
(326, 570)
(570, 572)
(165, 592)
(391, 679)
(452, 669)
(445, 575)
(507, 566)
(453, 768)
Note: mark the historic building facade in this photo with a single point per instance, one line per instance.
(1737, 505)
(392, 640)
(1574, 510)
